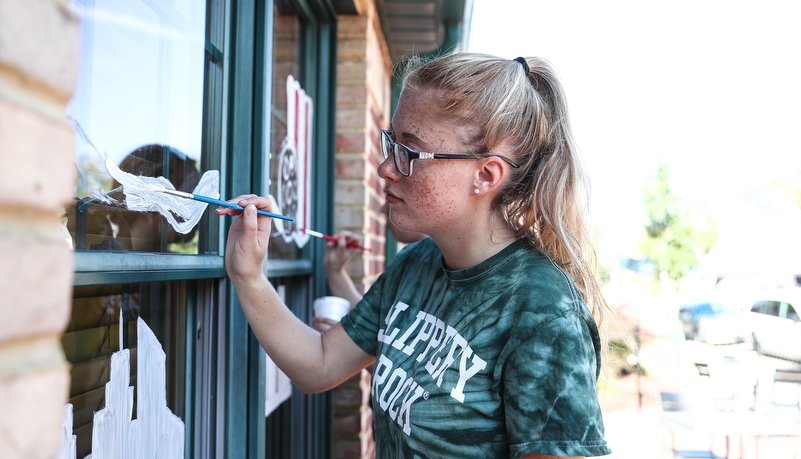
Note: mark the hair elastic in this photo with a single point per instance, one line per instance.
(525, 64)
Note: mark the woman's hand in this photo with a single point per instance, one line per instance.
(321, 324)
(248, 237)
(338, 254)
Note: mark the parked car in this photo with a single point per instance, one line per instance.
(776, 325)
(713, 322)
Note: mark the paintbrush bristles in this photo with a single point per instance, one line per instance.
(178, 193)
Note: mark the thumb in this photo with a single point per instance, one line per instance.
(250, 220)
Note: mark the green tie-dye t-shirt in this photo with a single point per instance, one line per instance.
(493, 361)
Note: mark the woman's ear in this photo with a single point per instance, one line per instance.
(490, 174)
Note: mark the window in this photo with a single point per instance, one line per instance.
(789, 312)
(770, 308)
(139, 106)
(149, 103)
(283, 165)
(99, 314)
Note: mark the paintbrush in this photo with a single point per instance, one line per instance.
(332, 238)
(217, 202)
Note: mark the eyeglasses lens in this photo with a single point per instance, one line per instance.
(402, 159)
(399, 151)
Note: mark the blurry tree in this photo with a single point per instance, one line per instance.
(672, 244)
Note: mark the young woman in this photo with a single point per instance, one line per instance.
(483, 336)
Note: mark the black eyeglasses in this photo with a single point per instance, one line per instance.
(405, 155)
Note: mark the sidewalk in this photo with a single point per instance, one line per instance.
(636, 433)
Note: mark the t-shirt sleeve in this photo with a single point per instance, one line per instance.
(361, 322)
(549, 391)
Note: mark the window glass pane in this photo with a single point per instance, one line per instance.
(139, 105)
(93, 336)
(286, 58)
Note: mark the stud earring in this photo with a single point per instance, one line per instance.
(476, 191)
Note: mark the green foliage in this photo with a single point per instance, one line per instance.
(673, 244)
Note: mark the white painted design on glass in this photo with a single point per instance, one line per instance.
(278, 386)
(182, 214)
(156, 432)
(294, 166)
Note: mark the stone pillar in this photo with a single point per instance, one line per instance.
(39, 65)
(364, 75)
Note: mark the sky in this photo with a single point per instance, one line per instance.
(712, 88)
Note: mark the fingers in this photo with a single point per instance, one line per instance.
(321, 324)
(263, 203)
(345, 237)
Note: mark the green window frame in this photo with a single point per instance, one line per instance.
(204, 273)
(300, 427)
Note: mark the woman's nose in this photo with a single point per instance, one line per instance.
(387, 169)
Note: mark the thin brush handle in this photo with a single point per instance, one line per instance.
(332, 238)
(218, 202)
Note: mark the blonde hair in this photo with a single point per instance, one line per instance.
(525, 115)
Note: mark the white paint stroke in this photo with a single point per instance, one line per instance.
(182, 214)
(294, 165)
(68, 445)
(156, 433)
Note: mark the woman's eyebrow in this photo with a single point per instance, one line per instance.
(408, 135)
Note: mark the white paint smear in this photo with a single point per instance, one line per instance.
(156, 432)
(68, 445)
(182, 214)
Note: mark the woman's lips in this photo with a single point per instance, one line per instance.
(391, 198)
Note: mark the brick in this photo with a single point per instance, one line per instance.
(346, 448)
(42, 40)
(351, 142)
(347, 396)
(352, 26)
(35, 283)
(286, 50)
(351, 70)
(32, 414)
(347, 422)
(285, 25)
(350, 118)
(355, 266)
(349, 217)
(351, 94)
(37, 160)
(351, 169)
(351, 48)
(350, 192)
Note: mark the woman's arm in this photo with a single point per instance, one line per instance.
(337, 255)
(314, 362)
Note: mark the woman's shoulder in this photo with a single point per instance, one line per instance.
(541, 284)
(424, 249)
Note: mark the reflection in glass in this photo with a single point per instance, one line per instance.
(286, 59)
(139, 103)
(98, 225)
(93, 335)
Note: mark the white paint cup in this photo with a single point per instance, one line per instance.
(331, 307)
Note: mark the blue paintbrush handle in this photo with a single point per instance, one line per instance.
(238, 207)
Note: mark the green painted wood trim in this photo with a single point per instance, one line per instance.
(239, 163)
(257, 382)
(190, 382)
(316, 11)
(98, 268)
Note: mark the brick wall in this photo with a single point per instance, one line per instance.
(39, 64)
(363, 108)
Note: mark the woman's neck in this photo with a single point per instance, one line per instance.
(469, 246)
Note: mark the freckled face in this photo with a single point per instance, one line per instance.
(436, 196)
